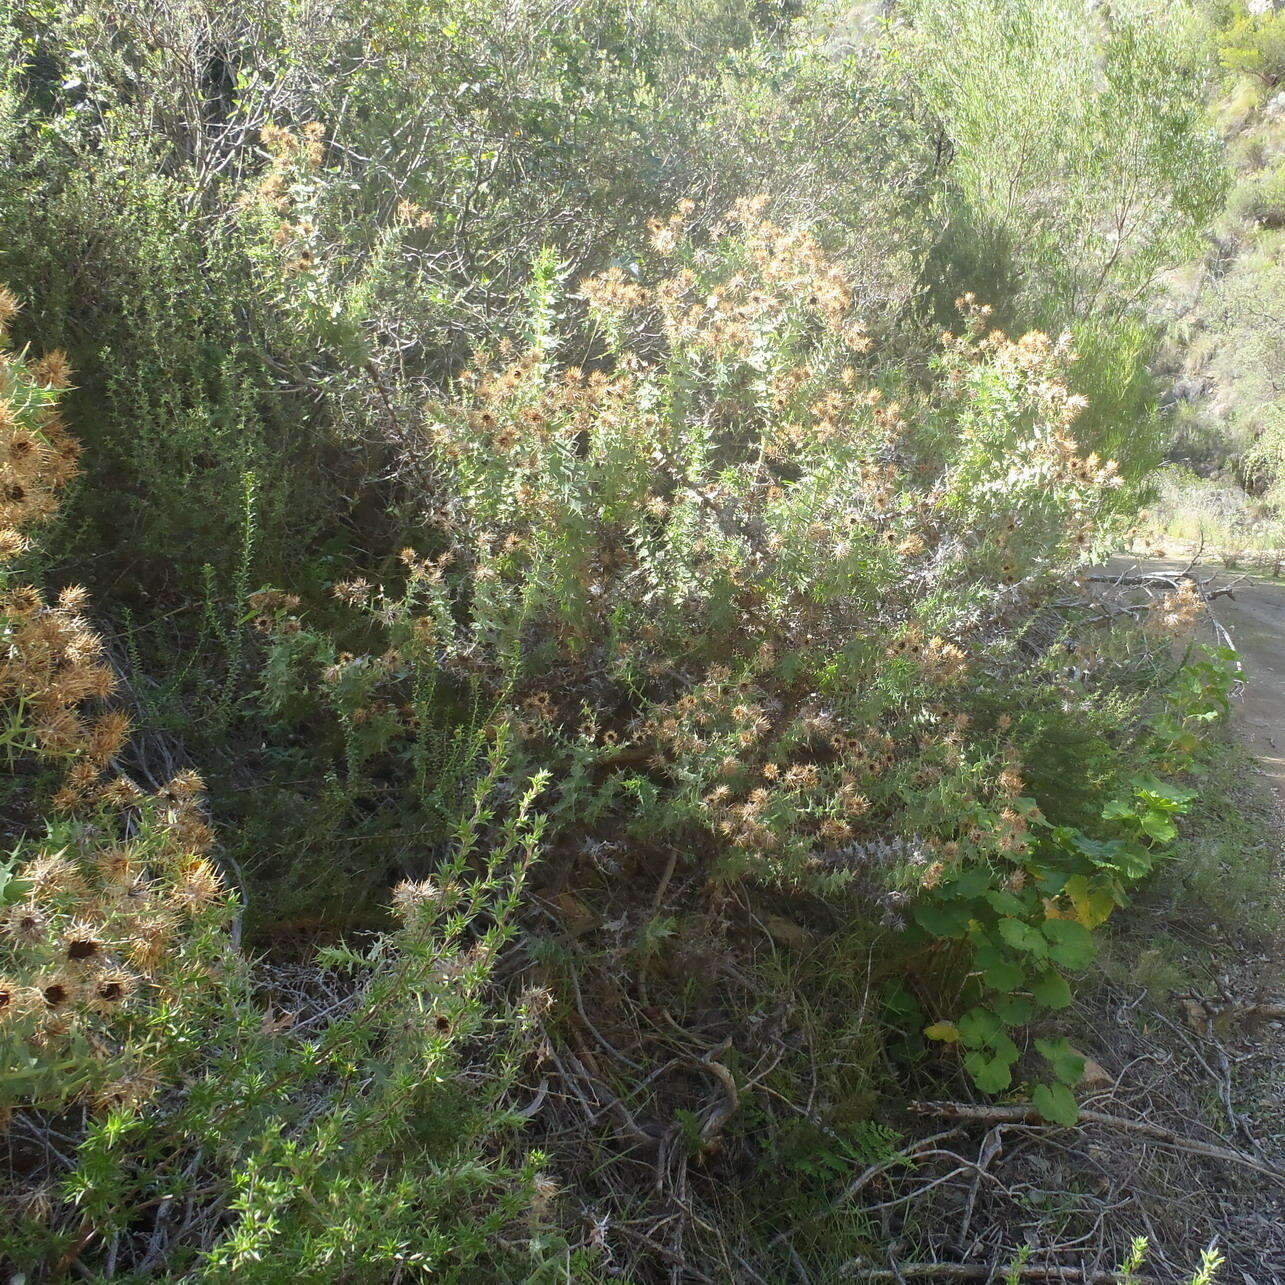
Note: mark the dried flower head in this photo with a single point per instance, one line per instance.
(82, 944)
(110, 991)
(26, 923)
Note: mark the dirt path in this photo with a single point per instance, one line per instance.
(1255, 618)
(1241, 1062)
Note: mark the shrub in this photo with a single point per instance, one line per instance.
(719, 586)
(1080, 163)
(135, 1033)
(750, 608)
(1255, 44)
(1261, 198)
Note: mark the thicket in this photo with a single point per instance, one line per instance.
(1231, 430)
(615, 476)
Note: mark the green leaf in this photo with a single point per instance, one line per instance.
(1070, 942)
(1176, 795)
(1067, 1064)
(1005, 903)
(978, 1026)
(1118, 809)
(1056, 1103)
(1159, 827)
(1051, 990)
(901, 1004)
(1022, 936)
(969, 884)
(990, 1074)
(1102, 852)
(1014, 1010)
(1004, 975)
(942, 919)
(1004, 1049)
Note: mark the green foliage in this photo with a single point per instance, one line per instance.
(1255, 44)
(1080, 162)
(1210, 1261)
(646, 563)
(1120, 421)
(1261, 198)
(134, 1030)
(1022, 930)
(299, 1147)
(173, 396)
(687, 522)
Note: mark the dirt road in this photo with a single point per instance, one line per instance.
(1255, 617)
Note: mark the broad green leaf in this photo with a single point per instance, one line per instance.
(978, 1026)
(1004, 976)
(1118, 809)
(1022, 936)
(1004, 903)
(1014, 1010)
(1004, 1049)
(1067, 1064)
(1102, 852)
(942, 918)
(1051, 990)
(1177, 795)
(1159, 827)
(1056, 1103)
(990, 1074)
(969, 884)
(1133, 862)
(1070, 942)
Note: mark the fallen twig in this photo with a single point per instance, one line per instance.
(1030, 1116)
(981, 1272)
(906, 1154)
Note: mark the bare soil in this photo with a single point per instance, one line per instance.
(1254, 615)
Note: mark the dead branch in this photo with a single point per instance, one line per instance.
(1028, 1115)
(981, 1272)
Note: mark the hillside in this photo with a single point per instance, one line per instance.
(569, 709)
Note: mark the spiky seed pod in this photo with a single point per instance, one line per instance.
(150, 938)
(17, 1000)
(187, 786)
(108, 736)
(190, 831)
(131, 896)
(411, 898)
(60, 732)
(53, 875)
(53, 370)
(118, 865)
(120, 793)
(59, 991)
(82, 945)
(26, 924)
(197, 887)
(9, 307)
(110, 991)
